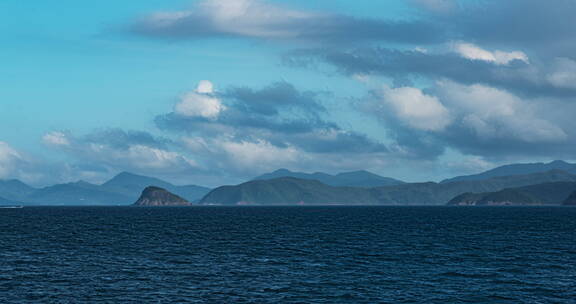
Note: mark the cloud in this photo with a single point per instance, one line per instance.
(9, 160)
(227, 155)
(546, 28)
(476, 120)
(494, 114)
(278, 114)
(258, 19)
(275, 97)
(15, 164)
(120, 150)
(471, 51)
(563, 73)
(415, 109)
(56, 139)
(200, 103)
(410, 66)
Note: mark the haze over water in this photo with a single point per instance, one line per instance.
(288, 255)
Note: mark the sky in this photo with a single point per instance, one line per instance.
(214, 92)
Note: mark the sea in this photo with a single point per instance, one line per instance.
(288, 255)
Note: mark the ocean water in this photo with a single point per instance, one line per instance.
(288, 255)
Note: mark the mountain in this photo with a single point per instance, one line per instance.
(571, 200)
(351, 179)
(131, 185)
(79, 193)
(290, 191)
(4, 201)
(158, 197)
(14, 189)
(439, 194)
(123, 189)
(517, 169)
(506, 197)
(540, 194)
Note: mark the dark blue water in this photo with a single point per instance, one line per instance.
(288, 255)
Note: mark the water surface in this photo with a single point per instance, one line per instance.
(288, 255)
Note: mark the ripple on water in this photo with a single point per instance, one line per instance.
(288, 255)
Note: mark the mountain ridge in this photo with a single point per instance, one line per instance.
(360, 178)
(517, 169)
(289, 190)
(122, 189)
(554, 193)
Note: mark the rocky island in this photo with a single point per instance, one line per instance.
(158, 197)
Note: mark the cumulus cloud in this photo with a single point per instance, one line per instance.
(9, 159)
(495, 114)
(121, 150)
(200, 103)
(56, 139)
(258, 19)
(279, 114)
(476, 120)
(248, 158)
(15, 164)
(416, 109)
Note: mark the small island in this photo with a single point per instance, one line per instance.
(158, 197)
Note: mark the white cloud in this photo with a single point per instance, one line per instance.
(497, 114)
(9, 159)
(17, 165)
(144, 157)
(242, 155)
(200, 103)
(416, 109)
(118, 151)
(473, 52)
(259, 153)
(56, 139)
(252, 18)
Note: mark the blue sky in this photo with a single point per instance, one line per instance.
(414, 89)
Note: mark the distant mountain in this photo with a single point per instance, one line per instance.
(517, 169)
(540, 194)
(132, 185)
(123, 189)
(352, 179)
(14, 189)
(4, 201)
(439, 194)
(79, 193)
(158, 197)
(290, 191)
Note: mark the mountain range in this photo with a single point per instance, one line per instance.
(362, 178)
(123, 189)
(540, 194)
(290, 191)
(517, 169)
(540, 183)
